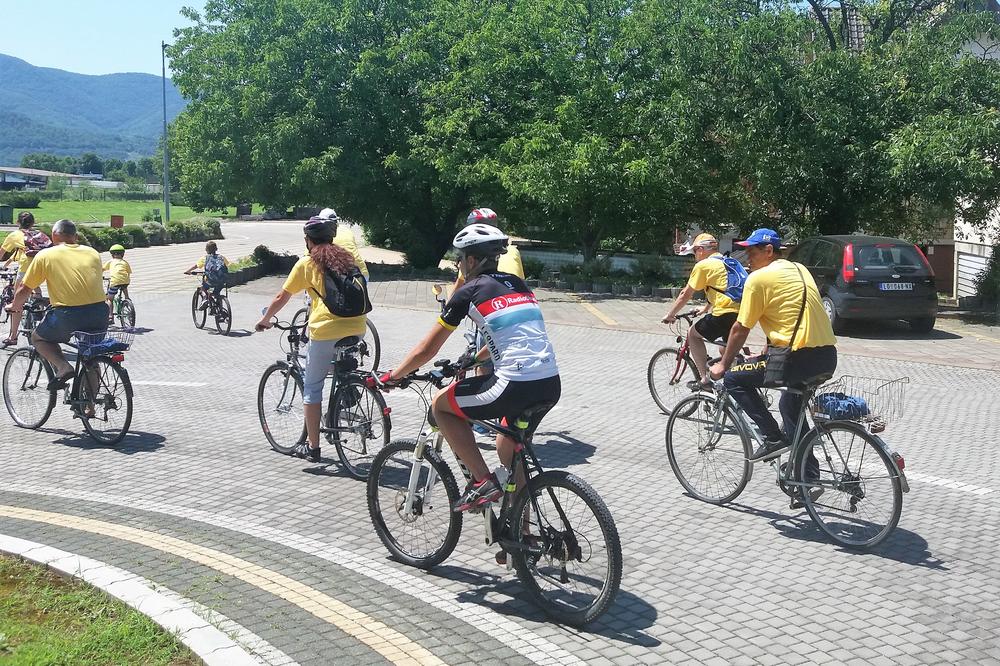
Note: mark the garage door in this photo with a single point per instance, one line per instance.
(969, 268)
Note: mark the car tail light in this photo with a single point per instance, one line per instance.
(923, 257)
(848, 266)
(118, 358)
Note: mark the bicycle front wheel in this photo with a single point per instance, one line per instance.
(418, 528)
(359, 425)
(279, 407)
(126, 314)
(199, 313)
(708, 450)
(576, 575)
(862, 497)
(26, 376)
(372, 348)
(103, 400)
(223, 316)
(667, 377)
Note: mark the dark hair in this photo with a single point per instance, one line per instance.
(25, 219)
(332, 257)
(211, 247)
(118, 253)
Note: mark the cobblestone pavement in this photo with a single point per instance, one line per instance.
(196, 501)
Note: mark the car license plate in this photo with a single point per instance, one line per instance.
(896, 286)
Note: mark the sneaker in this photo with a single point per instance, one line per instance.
(771, 448)
(814, 494)
(478, 494)
(304, 451)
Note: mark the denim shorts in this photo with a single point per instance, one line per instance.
(60, 322)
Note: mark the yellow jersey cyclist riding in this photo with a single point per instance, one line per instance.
(711, 275)
(119, 272)
(21, 246)
(525, 371)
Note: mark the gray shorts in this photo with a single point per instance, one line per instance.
(59, 323)
(319, 356)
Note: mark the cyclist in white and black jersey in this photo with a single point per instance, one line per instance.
(525, 371)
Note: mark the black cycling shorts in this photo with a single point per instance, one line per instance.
(715, 327)
(491, 397)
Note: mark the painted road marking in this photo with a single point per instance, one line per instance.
(213, 637)
(381, 638)
(149, 382)
(533, 647)
(594, 310)
(948, 483)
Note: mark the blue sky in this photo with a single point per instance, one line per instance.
(101, 37)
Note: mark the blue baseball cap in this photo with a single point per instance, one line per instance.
(762, 237)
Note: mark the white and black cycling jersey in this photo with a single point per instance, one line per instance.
(511, 323)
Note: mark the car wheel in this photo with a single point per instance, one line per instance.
(831, 311)
(922, 324)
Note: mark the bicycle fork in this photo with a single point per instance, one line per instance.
(418, 464)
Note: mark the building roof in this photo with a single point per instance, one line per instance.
(41, 173)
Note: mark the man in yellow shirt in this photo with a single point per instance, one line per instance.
(14, 249)
(709, 275)
(782, 297)
(73, 275)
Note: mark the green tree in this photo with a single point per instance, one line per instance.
(91, 163)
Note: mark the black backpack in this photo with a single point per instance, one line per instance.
(346, 295)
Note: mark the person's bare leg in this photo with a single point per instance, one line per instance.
(52, 353)
(15, 324)
(458, 433)
(699, 353)
(313, 415)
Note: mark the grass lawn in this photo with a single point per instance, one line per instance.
(46, 619)
(101, 211)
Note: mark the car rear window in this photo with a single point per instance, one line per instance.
(886, 256)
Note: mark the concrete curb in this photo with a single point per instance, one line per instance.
(194, 625)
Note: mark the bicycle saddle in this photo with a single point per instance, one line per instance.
(534, 415)
(813, 382)
(349, 341)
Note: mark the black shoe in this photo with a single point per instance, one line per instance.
(798, 503)
(771, 448)
(304, 451)
(698, 385)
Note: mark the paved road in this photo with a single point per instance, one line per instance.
(197, 502)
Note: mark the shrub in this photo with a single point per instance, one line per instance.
(533, 268)
(155, 232)
(570, 270)
(988, 282)
(597, 268)
(20, 199)
(650, 270)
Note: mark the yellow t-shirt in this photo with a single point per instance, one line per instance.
(73, 274)
(323, 325)
(14, 243)
(120, 272)
(511, 262)
(711, 272)
(772, 296)
(201, 262)
(345, 239)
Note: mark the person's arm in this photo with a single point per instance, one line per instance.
(425, 350)
(279, 301)
(194, 267)
(682, 299)
(20, 297)
(737, 338)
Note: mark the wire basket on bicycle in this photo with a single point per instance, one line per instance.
(98, 344)
(869, 401)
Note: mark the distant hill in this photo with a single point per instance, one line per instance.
(54, 111)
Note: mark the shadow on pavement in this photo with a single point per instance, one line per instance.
(558, 449)
(892, 330)
(239, 333)
(622, 622)
(902, 545)
(134, 442)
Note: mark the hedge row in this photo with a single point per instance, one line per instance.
(146, 234)
(20, 199)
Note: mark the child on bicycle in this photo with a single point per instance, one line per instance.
(216, 268)
(120, 275)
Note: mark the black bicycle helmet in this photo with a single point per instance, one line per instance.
(319, 229)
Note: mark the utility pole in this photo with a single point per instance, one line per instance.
(166, 148)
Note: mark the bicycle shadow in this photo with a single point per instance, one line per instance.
(133, 442)
(135, 330)
(239, 333)
(329, 468)
(623, 622)
(901, 546)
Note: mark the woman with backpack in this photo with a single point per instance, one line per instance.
(338, 293)
(22, 245)
(215, 268)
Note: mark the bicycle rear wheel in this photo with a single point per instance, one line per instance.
(299, 320)
(126, 314)
(667, 376)
(361, 412)
(198, 313)
(279, 407)
(427, 533)
(104, 387)
(372, 348)
(862, 496)
(6, 298)
(223, 315)
(26, 376)
(577, 574)
(708, 450)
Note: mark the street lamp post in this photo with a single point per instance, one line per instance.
(166, 148)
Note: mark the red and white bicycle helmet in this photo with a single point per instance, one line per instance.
(481, 216)
(481, 240)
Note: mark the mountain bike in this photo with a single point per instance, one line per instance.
(99, 393)
(848, 479)
(122, 308)
(671, 370)
(371, 344)
(357, 419)
(7, 278)
(555, 530)
(205, 304)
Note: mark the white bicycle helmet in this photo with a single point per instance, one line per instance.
(328, 214)
(481, 240)
(481, 215)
